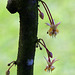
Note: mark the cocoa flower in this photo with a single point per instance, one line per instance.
(41, 14)
(50, 66)
(53, 29)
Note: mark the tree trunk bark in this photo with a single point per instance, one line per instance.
(28, 13)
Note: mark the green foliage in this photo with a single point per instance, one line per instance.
(63, 46)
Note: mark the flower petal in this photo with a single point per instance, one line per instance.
(48, 24)
(58, 24)
(47, 61)
(54, 60)
(52, 68)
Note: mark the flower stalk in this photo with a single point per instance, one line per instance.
(48, 12)
(41, 14)
(44, 45)
(11, 65)
(53, 27)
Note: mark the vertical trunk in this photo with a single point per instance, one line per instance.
(28, 36)
(28, 13)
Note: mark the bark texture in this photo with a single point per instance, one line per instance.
(28, 14)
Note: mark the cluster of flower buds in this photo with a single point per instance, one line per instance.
(50, 55)
(53, 27)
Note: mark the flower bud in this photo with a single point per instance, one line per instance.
(40, 48)
(49, 53)
(7, 72)
(9, 64)
(36, 46)
(41, 15)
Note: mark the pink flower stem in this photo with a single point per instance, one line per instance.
(42, 41)
(39, 10)
(43, 44)
(51, 20)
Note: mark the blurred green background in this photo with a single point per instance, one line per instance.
(63, 46)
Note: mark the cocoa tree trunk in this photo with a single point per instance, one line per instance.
(28, 14)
